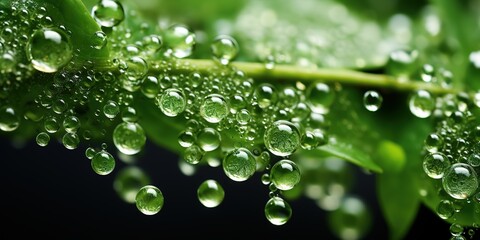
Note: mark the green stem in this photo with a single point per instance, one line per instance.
(295, 73)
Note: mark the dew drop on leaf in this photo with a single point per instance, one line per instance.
(372, 100)
(282, 138)
(49, 49)
(278, 211)
(285, 174)
(239, 164)
(108, 13)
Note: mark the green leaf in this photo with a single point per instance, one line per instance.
(351, 154)
(399, 201)
(77, 19)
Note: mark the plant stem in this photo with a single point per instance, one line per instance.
(295, 73)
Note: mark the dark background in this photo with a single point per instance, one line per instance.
(52, 192)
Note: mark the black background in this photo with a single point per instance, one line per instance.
(52, 192)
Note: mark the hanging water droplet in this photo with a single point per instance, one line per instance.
(128, 182)
(172, 102)
(193, 154)
(239, 164)
(460, 181)
(149, 200)
(9, 120)
(129, 138)
(421, 104)
(456, 229)
(210, 193)
(224, 49)
(129, 114)
(70, 140)
(42, 139)
(186, 139)
(285, 174)
(214, 108)
(278, 211)
(319, 97)
(208, 139)
(90, 152)
(108, 13)
(103, 163)
(49, 49)
(282, 138)
(51, 125)
(435, 165)
(372, 100)
(180, 41)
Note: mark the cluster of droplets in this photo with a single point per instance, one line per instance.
(229, 120)
(452, 158)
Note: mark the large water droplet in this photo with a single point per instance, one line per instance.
(372, 100)
(108, 13)
(49, 49)
(278, 211)
(435, 165)
(214, 108)
(460, 181)
(319, 97)
(149, 200)
(103, 163)
(172, 102)
(210, 193)
(282, 138)
(129, 138)
(421, 104)
(224, 49)
(9, 119)
(208, 139)
(285, 174)
(239, 164)
(180, 41)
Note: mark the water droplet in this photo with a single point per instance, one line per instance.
(445, 209)
(49, 49)
(435, 165)
(152, 43)
(214, 108)
(71, 124)
(90, 152)
(136, 70)
(282, 138)
(421, 104)
(149, 200)
(474, 160)
(9, 119)
(99, 40)
(180, 40)
(128, 182)
(372, 100)
(402, 63)
(319, 97)
(51, 125)
(42, 139)
(266, 179)
(456, 229)
(172, 102)
(278, 211)
(129, 138)
(108, 13)
(266, 95)
(186, 139)
(239, 164)
(224, 49)
(208, 139)
(243, 117)
(193, 154)
(150, 87)
(103, 163)
(433, 142)
(460, 181)
(111, 109)
(210, 193)
(285, 174)
(70, 140)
